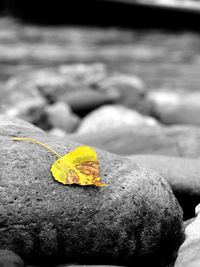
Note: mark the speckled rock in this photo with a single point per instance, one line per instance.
(188, 255)
(10, 259)
(181, 173)
(134, 220)
(176, 107)
(59, 115)
(112, 116)
(21, 100)
(180, 141)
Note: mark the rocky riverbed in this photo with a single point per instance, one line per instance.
(134, 97)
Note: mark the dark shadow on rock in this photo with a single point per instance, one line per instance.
(103, 12)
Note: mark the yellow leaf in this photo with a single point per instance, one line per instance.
(80, 166)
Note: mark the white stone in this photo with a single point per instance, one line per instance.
(111, 116)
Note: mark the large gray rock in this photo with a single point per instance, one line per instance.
(111, 116)
(177, 140)
(181, 173)
(134, 220)
(176, 107)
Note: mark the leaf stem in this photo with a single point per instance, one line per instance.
(36, 142)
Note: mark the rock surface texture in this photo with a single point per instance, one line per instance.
(11, 126)
(181, 173)
(134, 220)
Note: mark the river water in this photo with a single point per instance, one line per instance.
(162, 59)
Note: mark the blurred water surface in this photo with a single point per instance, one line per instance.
(162, 59)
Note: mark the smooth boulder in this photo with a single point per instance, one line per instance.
(134, 220)
(112, 116)
(176, 107)
(182, 141)
(183, 174)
